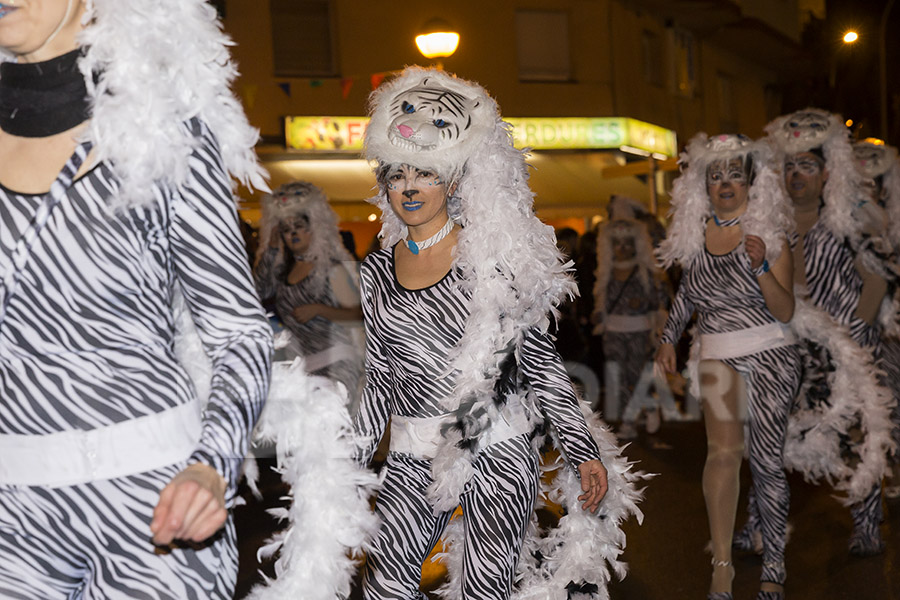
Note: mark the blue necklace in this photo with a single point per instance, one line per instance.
(416, 247)
(726, 222)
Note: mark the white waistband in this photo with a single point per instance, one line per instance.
(330, 355)
(127, 448)
(745, 342)
(420, 437)
(628, 323)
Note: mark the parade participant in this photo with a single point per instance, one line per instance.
(307, 269)
(879, 164)
(630, 302)
(118, 139)
(457, 306)
(827, 190)
(729, 233)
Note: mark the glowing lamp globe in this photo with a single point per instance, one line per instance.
(437, 40)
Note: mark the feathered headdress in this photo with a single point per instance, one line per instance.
(768, 213)
(149, 68)
(879, 160)
(508, 259)
(813, 128)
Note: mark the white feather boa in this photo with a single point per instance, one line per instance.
(584, 547)
(329, 520)
(813, 442)
(160, 64)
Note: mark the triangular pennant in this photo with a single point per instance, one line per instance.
(248, 92)
(346, 84)
(376, 79)
(314, 83)
(286, 88)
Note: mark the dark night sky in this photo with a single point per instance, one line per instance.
(846, 77)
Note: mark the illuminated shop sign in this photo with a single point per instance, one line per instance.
(345, 134)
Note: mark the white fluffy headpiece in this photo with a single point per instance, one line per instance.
(160, 64)
(768, 213)
(880, 160)
(508, 259)
(811, 128)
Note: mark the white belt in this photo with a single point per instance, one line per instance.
(745, 342)
(72, 457)
(420, 437)
(330, 355)
(628, 323)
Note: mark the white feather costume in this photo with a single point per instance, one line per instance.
(511, 267)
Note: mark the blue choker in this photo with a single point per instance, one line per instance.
(416, 247)
(726, 222)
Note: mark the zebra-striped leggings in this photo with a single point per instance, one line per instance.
(92, 541)
(773, 379)
(497, 505)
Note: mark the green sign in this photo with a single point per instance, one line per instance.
(571, 133)
(345, 134)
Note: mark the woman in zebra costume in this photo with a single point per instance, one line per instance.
(304, 265)
(729, 233)
(457, 306)
(118, 140)
(630, 303)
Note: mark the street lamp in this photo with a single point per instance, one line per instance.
(850, 37)
(437, 39)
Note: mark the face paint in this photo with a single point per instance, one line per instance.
(413, 184)
(804, 164)
(733, 172)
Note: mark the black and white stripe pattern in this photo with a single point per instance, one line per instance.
(727, 297)
(88, 338)
(409, 336)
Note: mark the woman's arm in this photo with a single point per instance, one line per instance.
(676, 321)
(210, 263)
(374, 408)
(776, 283)
(264, 271)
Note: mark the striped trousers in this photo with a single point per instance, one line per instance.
(497, 506)
(92, 541)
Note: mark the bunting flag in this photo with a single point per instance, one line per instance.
(346, 84)
(248, 93)
(286, 88)
(314, 83)
(376, 79)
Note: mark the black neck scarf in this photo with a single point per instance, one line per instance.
(42, 99)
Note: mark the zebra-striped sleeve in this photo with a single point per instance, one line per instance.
(679, 315)
(374, 408)
(264, 273)
(541, 364)
(210, 263)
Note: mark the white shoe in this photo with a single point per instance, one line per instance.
(653, 421)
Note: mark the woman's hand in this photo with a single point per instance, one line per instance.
(756, 250)
(665, 358)
(306, 312)
(275, 239)
(593, 484)
(191, 507)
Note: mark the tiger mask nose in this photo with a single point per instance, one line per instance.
(405, 130)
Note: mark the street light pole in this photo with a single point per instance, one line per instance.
(882, 63)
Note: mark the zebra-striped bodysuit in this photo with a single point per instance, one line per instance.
(409, 337)
(726, 295)
(88, 341)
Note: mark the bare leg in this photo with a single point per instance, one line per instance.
(723, 409)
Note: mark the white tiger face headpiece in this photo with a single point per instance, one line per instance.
(874, 160)
(806, 129)
(429, 119)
